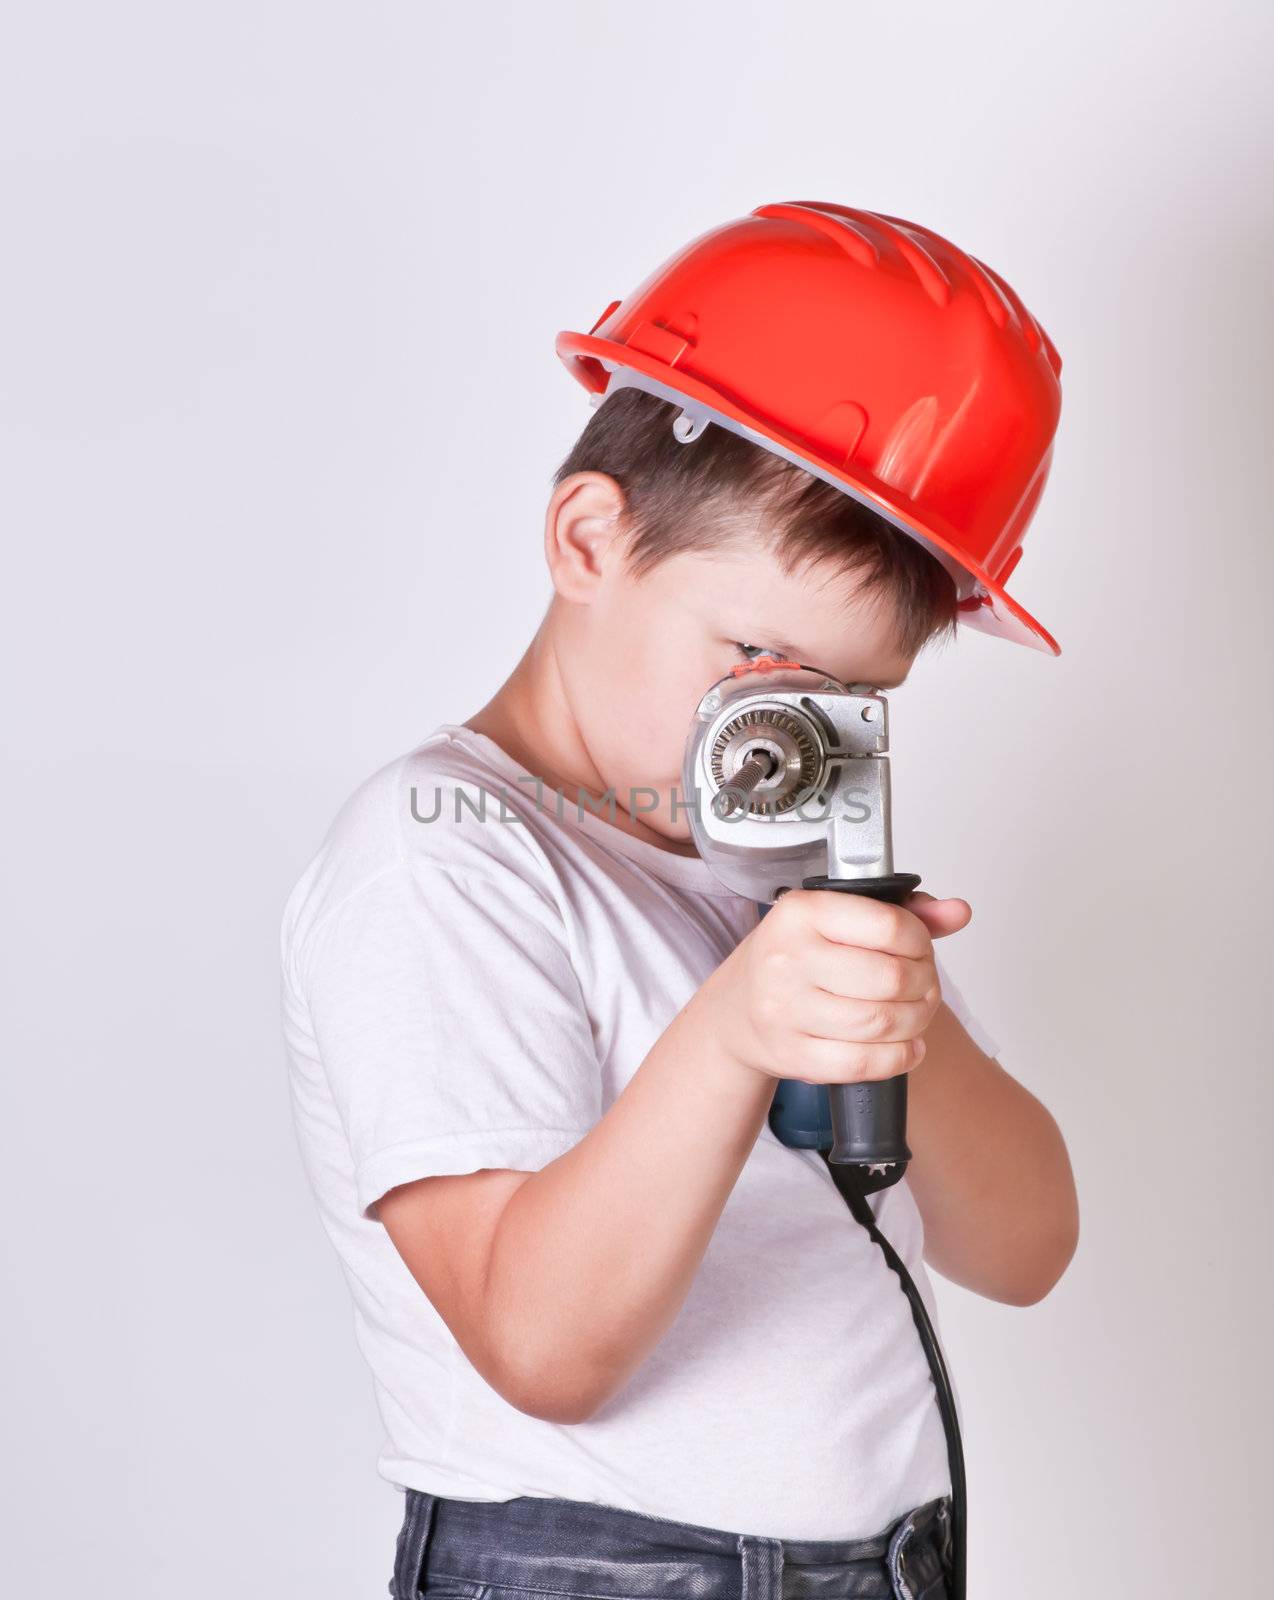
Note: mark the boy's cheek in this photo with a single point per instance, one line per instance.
(643, 708)
(657, 714)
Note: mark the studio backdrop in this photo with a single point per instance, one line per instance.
(280, 410)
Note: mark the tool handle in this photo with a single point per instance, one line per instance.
(869, 1120)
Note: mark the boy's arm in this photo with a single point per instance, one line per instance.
(990, 1173)
(557, 1284)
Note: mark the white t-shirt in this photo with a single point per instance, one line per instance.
(475, 993)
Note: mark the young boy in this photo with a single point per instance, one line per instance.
(625, 1341)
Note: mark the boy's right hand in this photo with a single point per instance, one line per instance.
(832, 988)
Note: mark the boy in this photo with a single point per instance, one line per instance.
(625, 1341)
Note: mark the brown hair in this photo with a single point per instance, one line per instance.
(708, 493)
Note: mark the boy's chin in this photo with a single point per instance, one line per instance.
(677, 832)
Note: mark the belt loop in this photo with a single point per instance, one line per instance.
(946, 1553)
(762, 1560)
(903, 1535)
(409, 1565)
(920, 1551)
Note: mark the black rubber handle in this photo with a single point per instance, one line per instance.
(869, 1120)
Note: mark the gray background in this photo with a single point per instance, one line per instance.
(278, 294)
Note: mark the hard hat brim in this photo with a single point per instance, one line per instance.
(993, 610)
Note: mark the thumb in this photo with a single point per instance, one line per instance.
(941, 917)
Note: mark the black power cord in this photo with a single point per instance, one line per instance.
(847, 1180)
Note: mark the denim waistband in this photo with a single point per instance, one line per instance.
(455, 1549)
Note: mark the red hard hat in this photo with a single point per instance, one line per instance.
(873, 353)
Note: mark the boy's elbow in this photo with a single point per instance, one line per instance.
(1046, 1268)
(552, 1396)
(555, 1390)
(553, 1406)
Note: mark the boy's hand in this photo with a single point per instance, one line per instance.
(832, 988)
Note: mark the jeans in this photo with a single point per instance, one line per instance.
(535, 1548)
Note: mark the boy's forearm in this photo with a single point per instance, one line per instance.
(990, 1172)
(594, 1255)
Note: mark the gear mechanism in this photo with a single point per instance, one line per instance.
(780, 752)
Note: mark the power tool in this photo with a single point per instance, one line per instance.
(786, 779)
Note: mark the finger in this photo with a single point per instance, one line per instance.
(857, 919)
(833, 1061)
(941, 917)
(858, 974)
(856, 1021)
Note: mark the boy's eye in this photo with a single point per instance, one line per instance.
(750, 651)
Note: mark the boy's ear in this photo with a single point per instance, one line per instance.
(583, 532)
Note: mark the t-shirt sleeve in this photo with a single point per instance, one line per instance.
(981, 1036)
(451, 1026)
